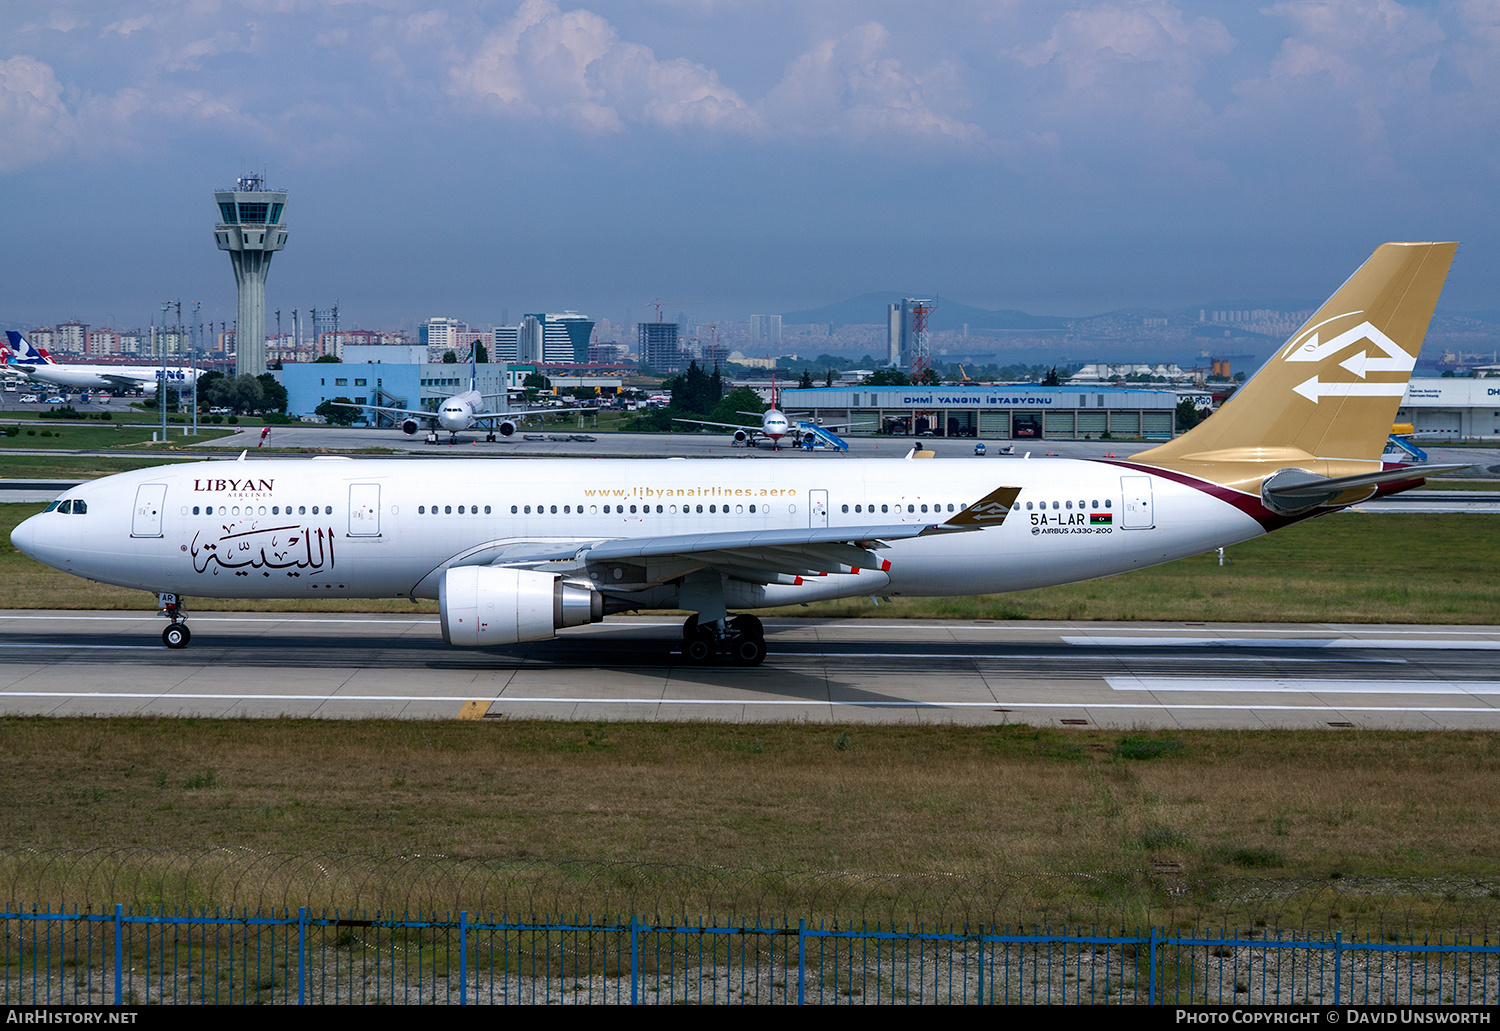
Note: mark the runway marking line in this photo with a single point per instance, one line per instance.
(749, 702)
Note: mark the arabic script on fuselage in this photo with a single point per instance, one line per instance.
(290, 548)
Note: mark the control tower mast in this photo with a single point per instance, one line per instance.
(251, 230)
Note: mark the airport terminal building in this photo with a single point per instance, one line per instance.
(1453, 408)
(1025, 411)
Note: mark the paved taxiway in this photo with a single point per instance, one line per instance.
(1077, 674)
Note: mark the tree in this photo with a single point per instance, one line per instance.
(694, 393)
(273, 394)
(735, 403)
(336, 414)
(328, 359)
(1051, 379)
(829, 381)
(480, 354)
(536, 382)
(806, 382)
(450, 358)
(887, 378)
(1188, 415)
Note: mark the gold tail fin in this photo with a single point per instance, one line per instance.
(1325, 401)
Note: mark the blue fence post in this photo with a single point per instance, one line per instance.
(119, 955)
(635, 951)
(802, 962)
(301, 955)
(981, 965)
(1338, 965)
(1151, 972)
(463, 957)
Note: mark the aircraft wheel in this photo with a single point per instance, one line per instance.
(692, 631)
(176, 636)
(749, 651)
(699, 651)
(747, 626)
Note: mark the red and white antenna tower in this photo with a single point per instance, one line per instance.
(920, 312)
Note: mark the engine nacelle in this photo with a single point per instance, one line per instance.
(740, 436)
(410, 427)
(484, 605)
(506, 428)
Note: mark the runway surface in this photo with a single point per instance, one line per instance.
(1060, 674)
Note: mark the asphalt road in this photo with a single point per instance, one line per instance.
(1071, 674)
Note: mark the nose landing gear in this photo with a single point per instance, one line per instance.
(176, 635)
(740, 639)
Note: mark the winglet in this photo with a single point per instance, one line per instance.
(989, 510)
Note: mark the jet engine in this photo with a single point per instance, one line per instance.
(506, 428)
(740, 436)
(410, 427)
(484, 605)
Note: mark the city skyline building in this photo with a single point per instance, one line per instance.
(657, 346)
(251, 230)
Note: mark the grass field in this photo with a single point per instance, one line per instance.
(93, 435)
(1348, 568)
(928, 800)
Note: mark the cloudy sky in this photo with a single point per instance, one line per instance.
(470, 158)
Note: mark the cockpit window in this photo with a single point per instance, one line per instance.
(51, 508)
(80, 507)
(66, 508)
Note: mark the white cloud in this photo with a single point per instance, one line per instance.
(1102, 41)
(35, 124)
(573, 67)
(848, 87)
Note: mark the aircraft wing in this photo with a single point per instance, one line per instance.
(120, 382)
(721, 425)
(389, 411)
(756, 556)
(523, 412)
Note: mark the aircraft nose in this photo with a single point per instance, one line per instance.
(24, 537)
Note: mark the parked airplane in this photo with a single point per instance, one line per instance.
(460, 412)
(774, 426)
(35, 365)
(515, 551)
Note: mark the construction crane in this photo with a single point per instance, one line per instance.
(660, 304)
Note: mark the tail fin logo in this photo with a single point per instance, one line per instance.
(1384, 355)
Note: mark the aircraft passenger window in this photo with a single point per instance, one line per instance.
(1070, 504)
(950, 508)
(209, 510)
(1093, 504)
(752, 509)
(591, 509)
(195, 510)
(528, 510)
(632, 510)
(885, 508)
(447, 509)
(846, 508)
(328, 510)
(924, 508)
(1054, 506)
(700, 508)
(315, 510)
(566, 509)
(711, 510)
(486, 509)
(262, 509)
(421, 510)
(301, 510)
(460, 510)
(672, 509)
(741, 508)
(513, 510)
(235, 510)
(911, 508)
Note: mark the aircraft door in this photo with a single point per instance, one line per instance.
(364, 510)
(1138, 512)
(817, 513)
(146, 522)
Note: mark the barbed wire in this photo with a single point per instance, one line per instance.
(239, 877)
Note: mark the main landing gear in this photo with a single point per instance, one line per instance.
(176, 635)
(740, 639)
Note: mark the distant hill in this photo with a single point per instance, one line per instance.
(870, 309)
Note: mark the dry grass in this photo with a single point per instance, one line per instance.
(895, 799)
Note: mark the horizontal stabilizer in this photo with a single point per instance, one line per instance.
(1292, 490)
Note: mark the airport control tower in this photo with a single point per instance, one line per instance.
(251, 230)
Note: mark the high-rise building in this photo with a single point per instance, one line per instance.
(73, 337)
(765, 331)
(901, 332)
(893, 334)
(657, 343)
(251, 230)
(564, 338)
(507, 344)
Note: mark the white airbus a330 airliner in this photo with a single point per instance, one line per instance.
(516, 550)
